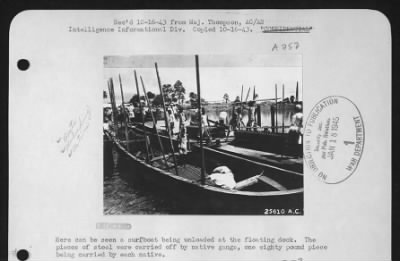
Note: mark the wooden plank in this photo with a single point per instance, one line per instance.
(132, 141)
(246, 183)
(265, 163)
(257, 154)
(160, 157)
(272, 183)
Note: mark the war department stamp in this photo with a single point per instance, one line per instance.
(334, 139)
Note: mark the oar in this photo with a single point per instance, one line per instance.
(142, 114)
(247, 96)
(154, 121)
(167, 120)
(124, 113)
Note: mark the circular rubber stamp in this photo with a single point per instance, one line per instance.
(334, 139)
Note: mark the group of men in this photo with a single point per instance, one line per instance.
(236, 121)
(178, 121)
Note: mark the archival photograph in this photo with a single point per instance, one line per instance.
(203, 134)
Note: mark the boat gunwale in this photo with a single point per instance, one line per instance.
(265, 165)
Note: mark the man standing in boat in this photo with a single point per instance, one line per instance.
(296, 129)
(240, 123)
(131, 113)
(171, 119)
(233, 122)
(205, 123)
(251, 115)
(120, 116)
(182, 131)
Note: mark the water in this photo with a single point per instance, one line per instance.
(122, 197)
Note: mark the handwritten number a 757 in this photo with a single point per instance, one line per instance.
(286, 46)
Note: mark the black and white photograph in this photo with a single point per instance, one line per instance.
(203, 134)
(229, 134)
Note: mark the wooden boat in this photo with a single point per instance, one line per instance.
(271, 148)
(261, 146)
(263, 190)
(238, 148)
(271, 144)
(266, 159)
(278, 143)
(275, 187)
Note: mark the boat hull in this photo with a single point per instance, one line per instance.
(194, 198)
(279, 143)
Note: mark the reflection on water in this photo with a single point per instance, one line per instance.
(121, 197)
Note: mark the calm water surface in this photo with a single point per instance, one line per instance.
(122, 197)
